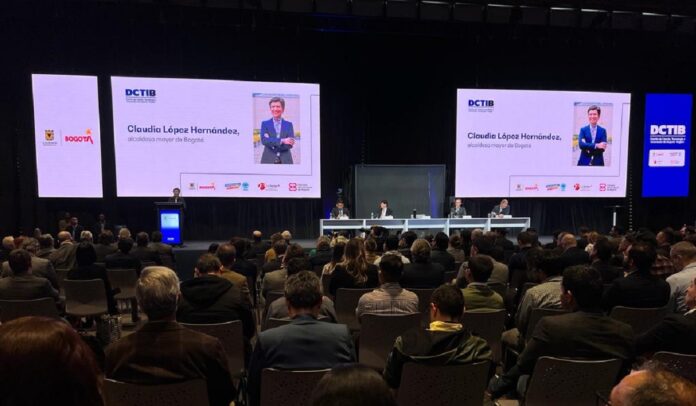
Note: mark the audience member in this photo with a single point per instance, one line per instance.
(165, 251)
(101, 225)
(371, 250)
(455, 249)
(517, 265)
(258, 245)
(143, 252)
(572, 254)
(439, 254)
(664, 239)
(227, 255)
(122, 259)
(422, 272)
(390, 297)
(676, 332)
(212, 248)
(124, 233)
(45, 246)
(22, 284)
(275, 281)
(485, 245)
(271, 253)
(336, 258)
(86, 269)
(354, 271)
(321, 255)
(586, 332)
(639, 288)
(7, 246)
(477, 294)
(87, 236)
(683, 256)
(406, 242)
(74, 229)
(209, 298)
(279, 248)
(45, 362)
(40, 267)
(501, 240)
(601, 254)
(445, 335)
(305, 343)
(241, 264)
(352, 385)
(105, 246)
(163, 351)
(278, 309)
(653, 387)
(64, 256)
(391, 247)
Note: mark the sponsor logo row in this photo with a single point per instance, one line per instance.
(245, 186)
(563, 187)
(50, 138)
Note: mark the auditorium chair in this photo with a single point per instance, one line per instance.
(346, 302)
(499, 288)
(424, 304)
(378, 333)
(641, 320)
(192, 392)
(271, 296)
(489, 325)
(288, 388)
(14, 309)
(461, 385)
(680, 364)
(570, 382)
(537, 314)
(231, 336)
(273, 322)
(125, 280)
(84, 298)
(61, 274)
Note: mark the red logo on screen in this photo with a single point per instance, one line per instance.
(261, 186)
(87, 137)
(292, 187)
(602, 187)
(576, 186)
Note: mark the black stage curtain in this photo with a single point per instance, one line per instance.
(388, 97)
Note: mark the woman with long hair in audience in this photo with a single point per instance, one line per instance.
(354, 271)
(371, 250)
(44, 361)
(337, 256)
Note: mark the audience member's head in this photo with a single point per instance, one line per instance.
(242, 246)
(279, 247)
(107, 237)
(8, 242)
(525, 239)
(158, 293)
(682, 254)
(20, 261)
(156, 236)
(46, 241)
(420, 250)
(390, 269)
(476, 234)
(125, 245)
(480, 269)
(690, 297)
(348, 385)
(212, 248)
(45, 361)
(338, 250)
(303, 294)
(142, 239)
(287, 236)
(391, 243)
(207, 264)
(124, 233)
(256, 236)
(641, 257)
(297, 265)
(581, 288)
(603, 249)
(323, 243)
(227, 254)
(549, 264)
(371, 245)
(409, 237)
(64, 237)
(275, 237)
(85, 254)
(30, 244)
(568, 241)
(73, 221)
(294, 250)
(447, 304)
(455, 242)
(441, 241)
(651, 387)
(483, 245)
(666, 236)
(87, 236)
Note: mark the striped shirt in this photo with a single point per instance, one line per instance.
(390, 298)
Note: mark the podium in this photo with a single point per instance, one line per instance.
(170, 220)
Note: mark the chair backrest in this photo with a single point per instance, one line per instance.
(489, 325)
(536, 315)
(273, 323)
(557, 381)
(641, 320)
(449, 276)
(123, 279)
(680, 364)
(85, 297)
(499, 288)
(461, 385)
(272, 296)
(325, 285)
(145, 264)
(14, 309)
(378, 333)
(193, 392)
(288, 388)
(346, 302)
(231, 336)
(424, 304)
(61, 275)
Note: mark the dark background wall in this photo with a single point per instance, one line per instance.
(388, 97)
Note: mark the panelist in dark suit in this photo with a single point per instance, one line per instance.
(277, 135)
(592, 140)
(339, 210)
(176, 198)
(502, 209)
(305, 343)
(74, 229)
(457, 211)
(100, 226)
(384, 210)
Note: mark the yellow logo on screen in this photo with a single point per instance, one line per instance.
(49, 134)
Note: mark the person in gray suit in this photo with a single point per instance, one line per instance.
(22, 285)
(457, 210)
(305, 343)
(40, 267)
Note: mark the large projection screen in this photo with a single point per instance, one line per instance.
(67, 137)
(216, 138)
(524, 143)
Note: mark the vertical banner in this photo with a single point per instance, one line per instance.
(666, 146)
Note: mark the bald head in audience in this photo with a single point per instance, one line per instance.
(64, 236)
(567, 241)
(682, 254)
(653, 387)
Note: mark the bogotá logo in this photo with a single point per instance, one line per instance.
(87, 137)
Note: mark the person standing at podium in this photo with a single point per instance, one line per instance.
(340, 211)
(176, 197)
(502, 209)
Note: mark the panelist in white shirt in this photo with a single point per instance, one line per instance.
(384, 210)
(339, 211)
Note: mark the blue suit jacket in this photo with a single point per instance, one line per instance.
(589, 155)
(271, 142)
